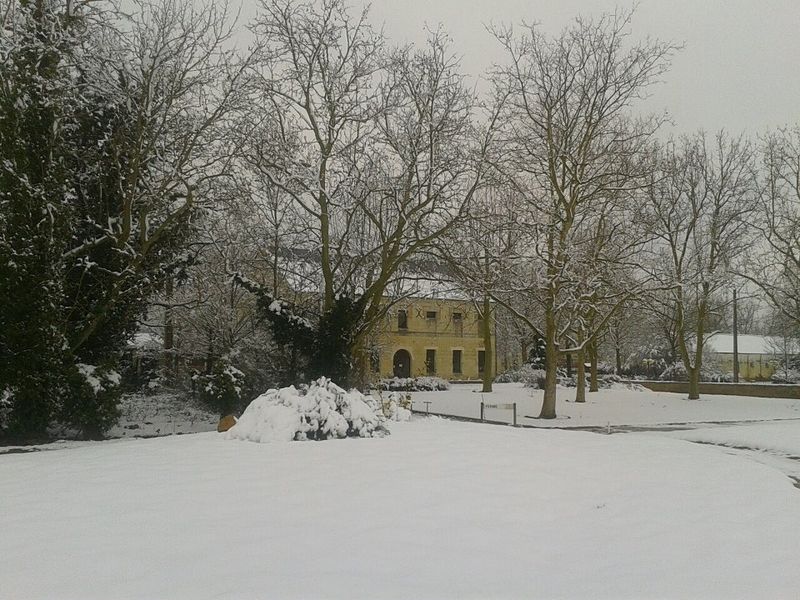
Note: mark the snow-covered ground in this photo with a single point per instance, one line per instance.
(439, 509)
(612, 406)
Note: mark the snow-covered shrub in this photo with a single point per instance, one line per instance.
(319, 411)
(535, 379)
(528, 374)
(708, 373)
(397, 406)
(222, 389)
(785, 376)
(716, 376)
(647, 361)
(414, 384)
(674, 372)
(604, 368)
(603, 381)
(608, 380)
(569, 381)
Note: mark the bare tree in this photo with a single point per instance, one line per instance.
(478, 254)
(700, 208)
(571, 146)
(775, 266)
(376, 149)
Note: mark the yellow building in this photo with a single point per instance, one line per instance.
(431, 336)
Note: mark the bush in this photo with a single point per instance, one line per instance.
(92, 406)
(785, 376)
(528, 374)
(708, 373)
(319, 411)
(647, 361)
(222, 389)
(604, 368)
(414, 384)
(67, 399)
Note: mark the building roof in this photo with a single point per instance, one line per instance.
(722, 343)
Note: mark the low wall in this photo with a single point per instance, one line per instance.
(760, 390)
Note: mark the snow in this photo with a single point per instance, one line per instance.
(439, 509)
(144, 340)
(265, 421)
(88, 374)
(98, 381)
(611, 406)
(323, 410)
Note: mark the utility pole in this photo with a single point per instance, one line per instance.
(735, 341)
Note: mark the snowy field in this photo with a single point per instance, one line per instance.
(440, 509)
(613, 406)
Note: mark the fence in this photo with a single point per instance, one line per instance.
(512, 406)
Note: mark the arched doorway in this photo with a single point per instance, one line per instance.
(402, 364)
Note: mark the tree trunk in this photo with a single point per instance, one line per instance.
(580, 374)
(618, 358)
(488, 374)
(694, 383)
(593, 384)
(551, 371)
(168, 357)
(569, 365)
(362, 374)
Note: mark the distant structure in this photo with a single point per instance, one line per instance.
(759, 355)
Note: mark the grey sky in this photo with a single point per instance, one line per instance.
(740, 68)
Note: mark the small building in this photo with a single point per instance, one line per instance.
(758, 354)
(436, 336)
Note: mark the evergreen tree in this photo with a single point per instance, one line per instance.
(37, 105)
(109, 145)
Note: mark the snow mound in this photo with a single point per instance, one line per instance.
(319, 411)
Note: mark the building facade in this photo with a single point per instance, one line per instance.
(432, 336)
(759, 355)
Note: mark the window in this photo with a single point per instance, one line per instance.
(430, 315)
(456, 362)
(430, 361)
(458, 323)
(481, 361)
(402, 319)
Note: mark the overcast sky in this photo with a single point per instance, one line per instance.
(740, 68)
